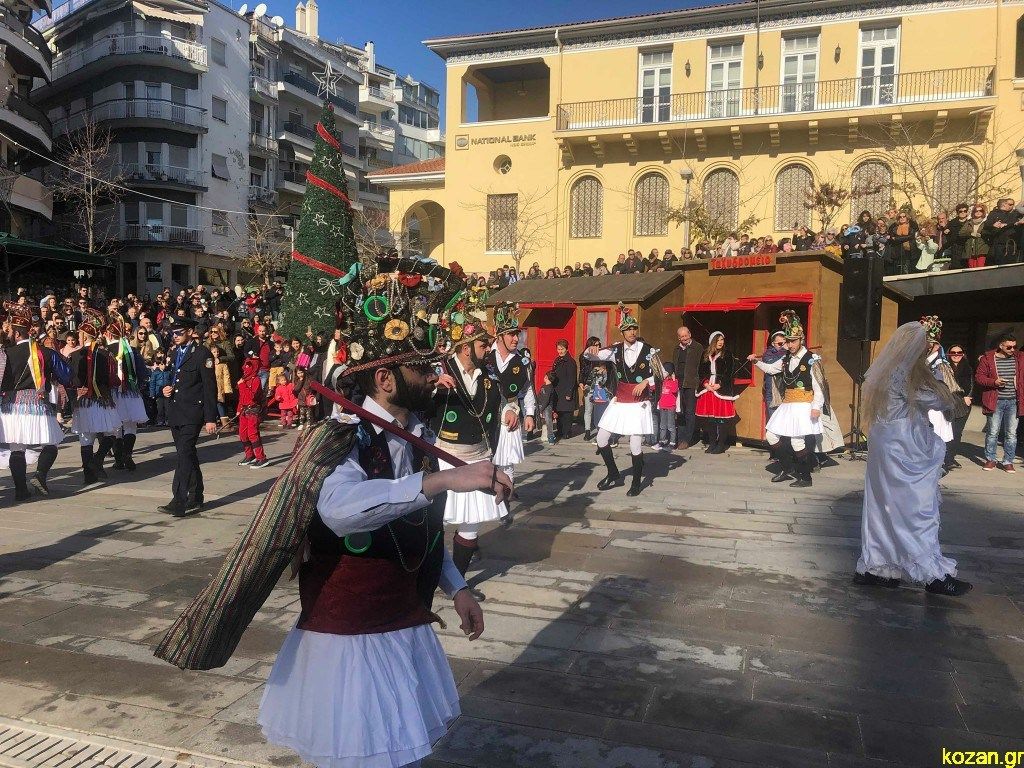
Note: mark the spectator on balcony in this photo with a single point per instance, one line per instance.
(769, 245)
(703, 250)
(972, 235)
(954, 245)
(730, 246)
(535, 272)
(902, 250)
(600, 268)
(927, 245)
(1001, 229)
(803, 239)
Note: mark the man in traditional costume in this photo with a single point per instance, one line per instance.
(629, 412)
(900, 525)
(792, 430)
(469, 411)
(93, 378)
(28, 417)
(132, 374)
(512, 368)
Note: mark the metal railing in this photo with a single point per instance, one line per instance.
(378, 93)
(125, 45)
(940, 85)
(376, 162)
(135, 172)
(299, 129)
(126, 109)
(379, 131)
(22, 106)
(263, 143)
(349, 150)
(408, 97)
(262, 86)
(309, 86)
(28, 33)
(264, 195)
(264, 31)
(160, 233)
(294, 176)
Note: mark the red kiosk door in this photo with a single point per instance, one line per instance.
(551, 324)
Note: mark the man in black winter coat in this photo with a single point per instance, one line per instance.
(1001, 229)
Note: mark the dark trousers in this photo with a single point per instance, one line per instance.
(687, 420)
(564, 424)
(188, 477)
(953, 446)
(161, 410)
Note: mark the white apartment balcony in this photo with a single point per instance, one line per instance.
(190, 238)
(262, 89)
(298, 133)
(263, 196)
(31, 195)
(380, 133)
(260, 29)
(401, 96)
(159, 174)
(138, 113)
(375, 100)
(129, 51)
(262, 144)
(26, 122)
(307, 90)
(26, 50)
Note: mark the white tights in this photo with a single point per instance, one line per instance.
(636, 442)
(88, 438)
(469, 531)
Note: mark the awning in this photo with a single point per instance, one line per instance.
(31, 251)
(155, 12)
(744, 303)
(220, 168)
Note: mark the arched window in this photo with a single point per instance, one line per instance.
(721, 194)
(650, 206)
(586, 208)
(871, 189)
(792, 186)
(956, 181)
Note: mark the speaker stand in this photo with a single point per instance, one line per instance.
(857, 446)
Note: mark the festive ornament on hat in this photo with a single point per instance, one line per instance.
(506, 318)
(791, 327)
(464, 317)
(92, 323)
(626, 319)
(19, 315)
(116, 325)
(325, 259)
(932, 326)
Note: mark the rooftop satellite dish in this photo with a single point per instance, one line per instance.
(244, 9)
(259, 10)
(277, 21)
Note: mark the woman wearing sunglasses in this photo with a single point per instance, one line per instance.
(964, 375)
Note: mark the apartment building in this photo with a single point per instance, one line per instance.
(594, 130)
(28, 204)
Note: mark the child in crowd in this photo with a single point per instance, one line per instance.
(250, 411)
(667, 408)
(546, 403)
(284, 397)
(161, 377)
(280, 358)
(599, 392)
(304, 398)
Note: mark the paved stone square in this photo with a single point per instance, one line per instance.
(709, 622)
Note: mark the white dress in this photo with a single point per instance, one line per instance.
(626, 418)
(364, 701)
(509, 450)
(25, 420)
(794, 419)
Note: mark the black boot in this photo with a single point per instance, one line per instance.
(46, 458)
(949, 586)
(803, 470)
(88, 468)
(612, 478)
(128, 446)
(118, 453)
(462, 554)
(638, 475)
(717, 438)
(106, 443)
(784, 459)
(19, 470)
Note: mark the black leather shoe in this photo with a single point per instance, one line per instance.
(190, 509)
(782, 477)
(870, 580)
(800, 484)
(949, 586)
(22, 495)
(169, 509)
(609, 481)
(954, 464)
(40, 486)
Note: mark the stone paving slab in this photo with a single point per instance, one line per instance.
(704, 623)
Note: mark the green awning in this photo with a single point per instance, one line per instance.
(29, 249)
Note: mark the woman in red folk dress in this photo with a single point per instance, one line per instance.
(716, 400)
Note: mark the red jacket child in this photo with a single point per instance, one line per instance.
(250, 409)
(285, 398)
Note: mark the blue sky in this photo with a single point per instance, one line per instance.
(397, 27)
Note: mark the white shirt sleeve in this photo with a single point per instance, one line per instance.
(451, 580)
(351, 503)
(770, 368)
(530, 401)
(818, 401)
(603, 354)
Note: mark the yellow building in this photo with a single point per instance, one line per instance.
(567, 143)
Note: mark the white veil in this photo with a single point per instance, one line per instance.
(900, 367)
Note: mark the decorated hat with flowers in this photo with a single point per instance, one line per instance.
(93, 322)
(506, 318)
(464, 318)
(626, 318)
(116, 325)
(18, 315)
(791, 325)
(933, 327)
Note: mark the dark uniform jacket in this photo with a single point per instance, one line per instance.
(194, 399)
(455, 416)
(517, 378)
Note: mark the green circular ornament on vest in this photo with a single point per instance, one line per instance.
(357, 543)
(639, 379)
(488, 419)
(513, 388)
(451, 417)
(373, 303)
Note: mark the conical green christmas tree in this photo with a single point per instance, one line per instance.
(325, 245)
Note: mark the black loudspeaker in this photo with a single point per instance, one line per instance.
(860, 303)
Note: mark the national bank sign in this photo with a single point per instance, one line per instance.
(465, 141)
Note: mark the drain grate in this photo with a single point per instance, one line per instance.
(27, 745)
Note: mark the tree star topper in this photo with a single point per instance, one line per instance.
(327, 81)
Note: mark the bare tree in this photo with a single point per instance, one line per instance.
(828, 197)
(373, 232)
(261, 243)
(709, 223)
(89, 185)
(523, 226)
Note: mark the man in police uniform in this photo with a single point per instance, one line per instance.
(192, 405)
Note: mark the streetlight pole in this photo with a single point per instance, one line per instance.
(687, 175)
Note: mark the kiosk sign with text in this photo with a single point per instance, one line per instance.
(734, 263)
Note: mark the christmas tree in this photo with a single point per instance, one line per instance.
(325, 245)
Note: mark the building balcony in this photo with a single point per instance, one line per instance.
(262, 144)
(130, 51)
(382, 133)
(31, 195)
(409, 99)
(293, 181)
(26, 122)
(260, 29)
(262, 196)
(158, 174)
(298, 133)
(138, 113)
(949, 89)
(160, 234)
(302, 86)
(27, 51)
(262, 89)
(375, 99)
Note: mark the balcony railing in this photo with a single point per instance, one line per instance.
(294, 176)
(30, 34)
(124, 45)
(382, 132)
(263, 195)
(132, 109)
(349, 150)
(304, 83)
(299, 129)
(136, 172)
(160, 233)
(373, 91)
(263, 143)
(264, 31)
(22, 106)
(822, 96)
(410, 98)
(262, 86)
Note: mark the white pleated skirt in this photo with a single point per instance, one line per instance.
(93, 418)
(130, 407)
(793, 420)
(30, 429)
(31, 457)
(510, 447)
(627, 418)
(359, 701)
(472, 507)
